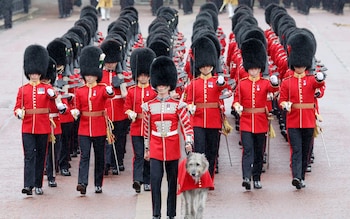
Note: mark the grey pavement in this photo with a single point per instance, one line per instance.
(327, 194)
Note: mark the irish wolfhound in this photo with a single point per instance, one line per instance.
(194, 183)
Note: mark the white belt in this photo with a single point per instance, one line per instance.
(117, 97)
(52, 115)
(164, 134)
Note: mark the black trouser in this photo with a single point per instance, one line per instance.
(7, 13)
(26, 5)
(99, 152)
(300, 140)
(62, 7)
(49, 158)
(206, 141)
(155, 4)
(141, 171)
(67, 130)
(157, 172)
(253, 153)
(188, 5)
(34, 146)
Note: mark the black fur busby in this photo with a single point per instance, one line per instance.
(140, 61)
(58, 51)
(163, 72)
(300, 49)
(91, 62)
(254, 54)
(113, 50)
(51, 72)
(204, 53)
(35, 61)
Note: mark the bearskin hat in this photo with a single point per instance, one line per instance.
(140, 61)
(253, 54)
(51, 72)
(113, 50)
(58, 51)
(91, 62)
(300, 49)
(36, 60)
(160, 46)
(163, 72)
(204, 53)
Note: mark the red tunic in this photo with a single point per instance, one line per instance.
(186, 182)
(252, 95)
(114, 106)
(300, 90)
(92, 100)
(161, 121)
(205, 93)
(138, 95)
(33, 99)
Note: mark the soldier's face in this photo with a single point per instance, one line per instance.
(143, 79)
(34, 77)
(111, 66)
(90, 79)
(254, 72)
(206, 70)
(299, 70)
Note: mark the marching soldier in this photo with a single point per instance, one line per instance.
(202, 97)
(250, 103)
(297, 98)
(113, 51)
(32, 107)
(90, 103)
(162, 117)
(142, 92)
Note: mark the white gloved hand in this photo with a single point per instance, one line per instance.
(320, 76)
(132, 115)
(109, 90)
(61, 107)
(286, 105)
(50, 92)
(239, 108)
(75, 113)
(221, 80)
(19, 113)
(191, 108)
(274, 80)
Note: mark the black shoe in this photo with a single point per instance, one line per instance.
(27, 190)
(81, 188)
(74, 154)
(156, 217)
(257, 185)
(137, 186)
(308, 168)
(121, 167)
(52, 183)
(98, 189)
(147, 187)
(39, 191)
(115, 171)
(65, 172)
(216, 170)
(246, 183)
(297, 183)
(303, 185)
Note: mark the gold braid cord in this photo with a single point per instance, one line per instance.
(110, 128)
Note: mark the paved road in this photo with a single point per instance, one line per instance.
(327, 192)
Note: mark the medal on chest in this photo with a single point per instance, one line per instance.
(210, 84)
(41, 90)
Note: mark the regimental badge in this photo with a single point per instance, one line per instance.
(94, 93)
(258, 87)
(41, 90)
(210, 84)
(304, 82)
(147, 93)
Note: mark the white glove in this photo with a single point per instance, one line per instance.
(286, 105)
(61, 107)
(75, 113)
(19, 113)
(320, 76)
(239, 108)
(191, 108)
(132, 115)
(221, 80)
(50, 92)
(109, 90)
(274, 80)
